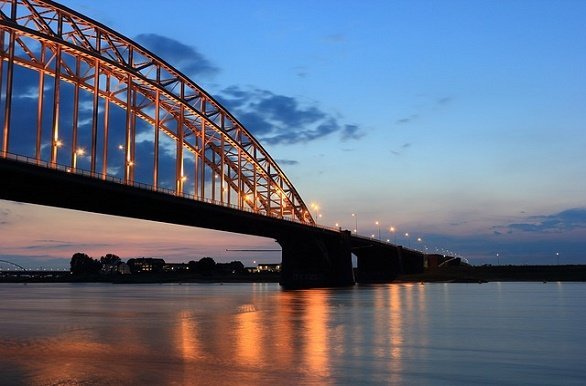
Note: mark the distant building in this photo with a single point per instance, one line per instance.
(269, 268)
(123, 269)
(176, 267)
(146, 265)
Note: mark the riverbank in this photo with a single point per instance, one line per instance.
(486, 273)
(459, 274)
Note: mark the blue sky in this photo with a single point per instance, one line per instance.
(460, 122)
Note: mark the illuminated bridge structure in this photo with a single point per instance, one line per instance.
(91, 120)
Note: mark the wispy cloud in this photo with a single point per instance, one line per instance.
(287, 162)
(185, 58)
(408, 119)
(47, 245)
(443, 100)
(428, 105)
(4, 216)
(281, 119)
(402, 149)
(567, 220)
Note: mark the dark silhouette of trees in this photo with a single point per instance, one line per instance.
(82, 264)
(231, 268)
(110, 263)
(205, 265)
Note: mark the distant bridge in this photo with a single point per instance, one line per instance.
(13, 264)
(93, 121)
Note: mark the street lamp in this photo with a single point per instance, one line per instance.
(378, 225)
(316, 207)
(355, 222)
(557, 254)
(408, 239)
(78, 152)
(392, 230)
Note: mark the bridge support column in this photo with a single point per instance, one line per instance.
(413, 261)
(376, 264)
(316, 260)
(381, 264)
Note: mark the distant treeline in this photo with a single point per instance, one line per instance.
(83, 265)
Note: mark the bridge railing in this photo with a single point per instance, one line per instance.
(158, 189)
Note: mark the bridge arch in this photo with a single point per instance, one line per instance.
(104, 104)
(13, 264)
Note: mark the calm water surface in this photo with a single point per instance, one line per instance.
(398, 334)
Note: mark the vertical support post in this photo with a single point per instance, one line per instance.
(55, 144)
(239, 171)
(156, 145)
(74, 119)
(8, 93)
(269, 198)
(255, 184)
(95, 111)
(1, 68)
(214, 177)
(179, 176)
(106, 129)
(203, 150)
(281, 193)
(223, 160)
(40, 105)
(128, 154)
(133, 136)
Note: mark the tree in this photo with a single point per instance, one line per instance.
(82, 264)
(206, 265)
(236, 266)
(110, 263)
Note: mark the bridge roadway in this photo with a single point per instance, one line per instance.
(312, 256)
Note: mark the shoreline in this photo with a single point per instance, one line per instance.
(450, 274)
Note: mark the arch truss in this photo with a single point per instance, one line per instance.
(77, 95)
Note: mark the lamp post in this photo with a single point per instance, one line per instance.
(378, 225)
(408, 239)
(57, 143)
(392, 230)
(557, 255)
(355, 222)
(78, 152)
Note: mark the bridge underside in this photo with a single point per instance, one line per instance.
(311, 256)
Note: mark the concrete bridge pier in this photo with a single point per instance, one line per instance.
(314, 259)
(377, 264)
(382, 263)
(412, 261)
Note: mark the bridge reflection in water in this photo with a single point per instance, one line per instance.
(202, 334)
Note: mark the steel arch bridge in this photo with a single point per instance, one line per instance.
(77, 96)
(13, 264)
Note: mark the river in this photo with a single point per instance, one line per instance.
(258, 334)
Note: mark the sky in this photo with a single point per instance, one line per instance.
(462, 123)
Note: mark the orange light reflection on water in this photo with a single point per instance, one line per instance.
(316, 348)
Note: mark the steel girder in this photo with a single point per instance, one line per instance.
(54, 41)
